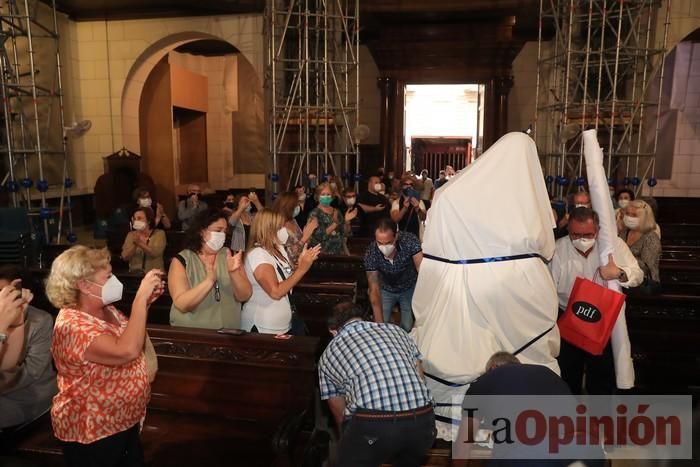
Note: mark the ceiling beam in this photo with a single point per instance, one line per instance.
(417, 6)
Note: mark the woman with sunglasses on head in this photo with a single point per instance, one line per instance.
(287, 206)
(103, 380)
(206, 281)
(408, 210)
(333, 226)
(269, 310)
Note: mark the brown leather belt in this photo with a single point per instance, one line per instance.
(380, 415)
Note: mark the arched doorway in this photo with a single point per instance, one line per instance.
(192, 106)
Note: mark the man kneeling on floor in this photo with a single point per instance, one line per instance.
(371, 375)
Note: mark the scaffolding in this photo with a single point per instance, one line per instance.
(33, 133)
(312, 90)
(603, 70)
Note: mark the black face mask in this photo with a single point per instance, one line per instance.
(229, 205)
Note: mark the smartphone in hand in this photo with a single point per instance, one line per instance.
(18, 288)
(231, 331)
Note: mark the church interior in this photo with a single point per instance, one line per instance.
(216, 103)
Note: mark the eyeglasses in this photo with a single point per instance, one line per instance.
(217, 291)
(575, 236)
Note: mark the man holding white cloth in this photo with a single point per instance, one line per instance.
(576, 255)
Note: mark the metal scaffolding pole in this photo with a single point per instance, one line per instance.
(312, 90)
(33, 127)
(596, 73)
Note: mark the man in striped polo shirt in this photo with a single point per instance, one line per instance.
(372, 378)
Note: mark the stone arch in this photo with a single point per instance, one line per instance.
(142, 67)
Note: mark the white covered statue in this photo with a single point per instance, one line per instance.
(484, 285)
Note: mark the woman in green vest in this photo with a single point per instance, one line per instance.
(206, 282)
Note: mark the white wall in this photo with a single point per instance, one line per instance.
(685, 176)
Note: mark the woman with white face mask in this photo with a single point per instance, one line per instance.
(206, 281)
(272, 275)
(144, 199)
(99, 354)
(143, 246)
(644, 243)
(623, 198)
(287, 206)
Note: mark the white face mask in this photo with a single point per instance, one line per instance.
(296, 212)
(248, 208)
(387, 250)
(583, 244)
(581, 206)
(216, 240)
(377, 187)
(623, 203)
(282, 235)
(631, 223)
(138, 225)
(350, 201)
(145, 202)
(111, 290)
(302, 197)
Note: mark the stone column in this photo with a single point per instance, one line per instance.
(503, 85)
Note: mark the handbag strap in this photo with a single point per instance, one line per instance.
(281, 273)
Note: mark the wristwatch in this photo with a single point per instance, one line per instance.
(3, 338)
(622, 277)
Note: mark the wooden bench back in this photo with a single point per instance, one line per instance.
(253, 377)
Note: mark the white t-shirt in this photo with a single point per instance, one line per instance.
(268, 315)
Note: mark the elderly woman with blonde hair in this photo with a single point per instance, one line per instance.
(643, 241)
(103, 381)
(271, 273)
(333, 226)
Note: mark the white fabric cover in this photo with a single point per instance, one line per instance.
(602, 204)
(497, 206)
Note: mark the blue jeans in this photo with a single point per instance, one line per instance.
(404, 299)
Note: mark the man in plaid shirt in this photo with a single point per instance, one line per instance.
(371, 375)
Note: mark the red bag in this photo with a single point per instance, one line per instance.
(590, 315)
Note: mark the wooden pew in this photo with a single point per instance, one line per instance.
(218, 400)
(338, 268)
(314, 303)
(680, 234)
(358, 245)
(664, 331)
